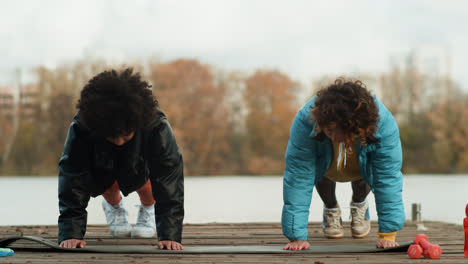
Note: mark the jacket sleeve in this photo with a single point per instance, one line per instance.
(167, 181)
(73, 198)
(299, 178)
(388, 179)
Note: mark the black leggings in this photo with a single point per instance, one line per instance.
(326, 189)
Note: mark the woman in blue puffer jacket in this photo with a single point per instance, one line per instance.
(343, 134)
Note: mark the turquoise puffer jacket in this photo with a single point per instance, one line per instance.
(308, 158)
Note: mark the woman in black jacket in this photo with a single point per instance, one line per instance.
(119, 141)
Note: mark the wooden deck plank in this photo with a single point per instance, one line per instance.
(449, 236)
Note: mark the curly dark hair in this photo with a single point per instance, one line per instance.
(348, 107)
(116, 103)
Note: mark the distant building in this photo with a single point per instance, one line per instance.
(28, 101)
(6, 102)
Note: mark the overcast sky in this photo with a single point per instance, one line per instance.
(304, 39)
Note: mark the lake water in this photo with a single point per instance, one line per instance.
(33, 200)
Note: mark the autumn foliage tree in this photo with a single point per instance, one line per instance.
(195, 106)
(450, 131)
(270, 98)
(5, 134)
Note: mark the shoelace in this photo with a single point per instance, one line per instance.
(119, 216)
(143, 215)
(332, 220)
(357, 214)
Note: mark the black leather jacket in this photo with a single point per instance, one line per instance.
(89, 165)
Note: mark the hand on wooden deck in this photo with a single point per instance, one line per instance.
(381, 243)
(73, 243)
(297, 245)
(170, 245)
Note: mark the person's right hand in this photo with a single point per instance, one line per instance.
(297, 245)
(73, 243)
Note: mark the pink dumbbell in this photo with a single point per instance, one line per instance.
(432, 251)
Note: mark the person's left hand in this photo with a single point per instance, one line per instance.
(381, 243)
(170, 245)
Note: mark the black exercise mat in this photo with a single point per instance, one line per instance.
(145, 249)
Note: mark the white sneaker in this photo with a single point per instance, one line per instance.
(146, 224)
(332, 225)
(360, 222)
(116, 219)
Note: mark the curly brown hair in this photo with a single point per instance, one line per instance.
(348, 107)
(116, 103)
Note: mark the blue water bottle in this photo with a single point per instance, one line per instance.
(6, 252)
